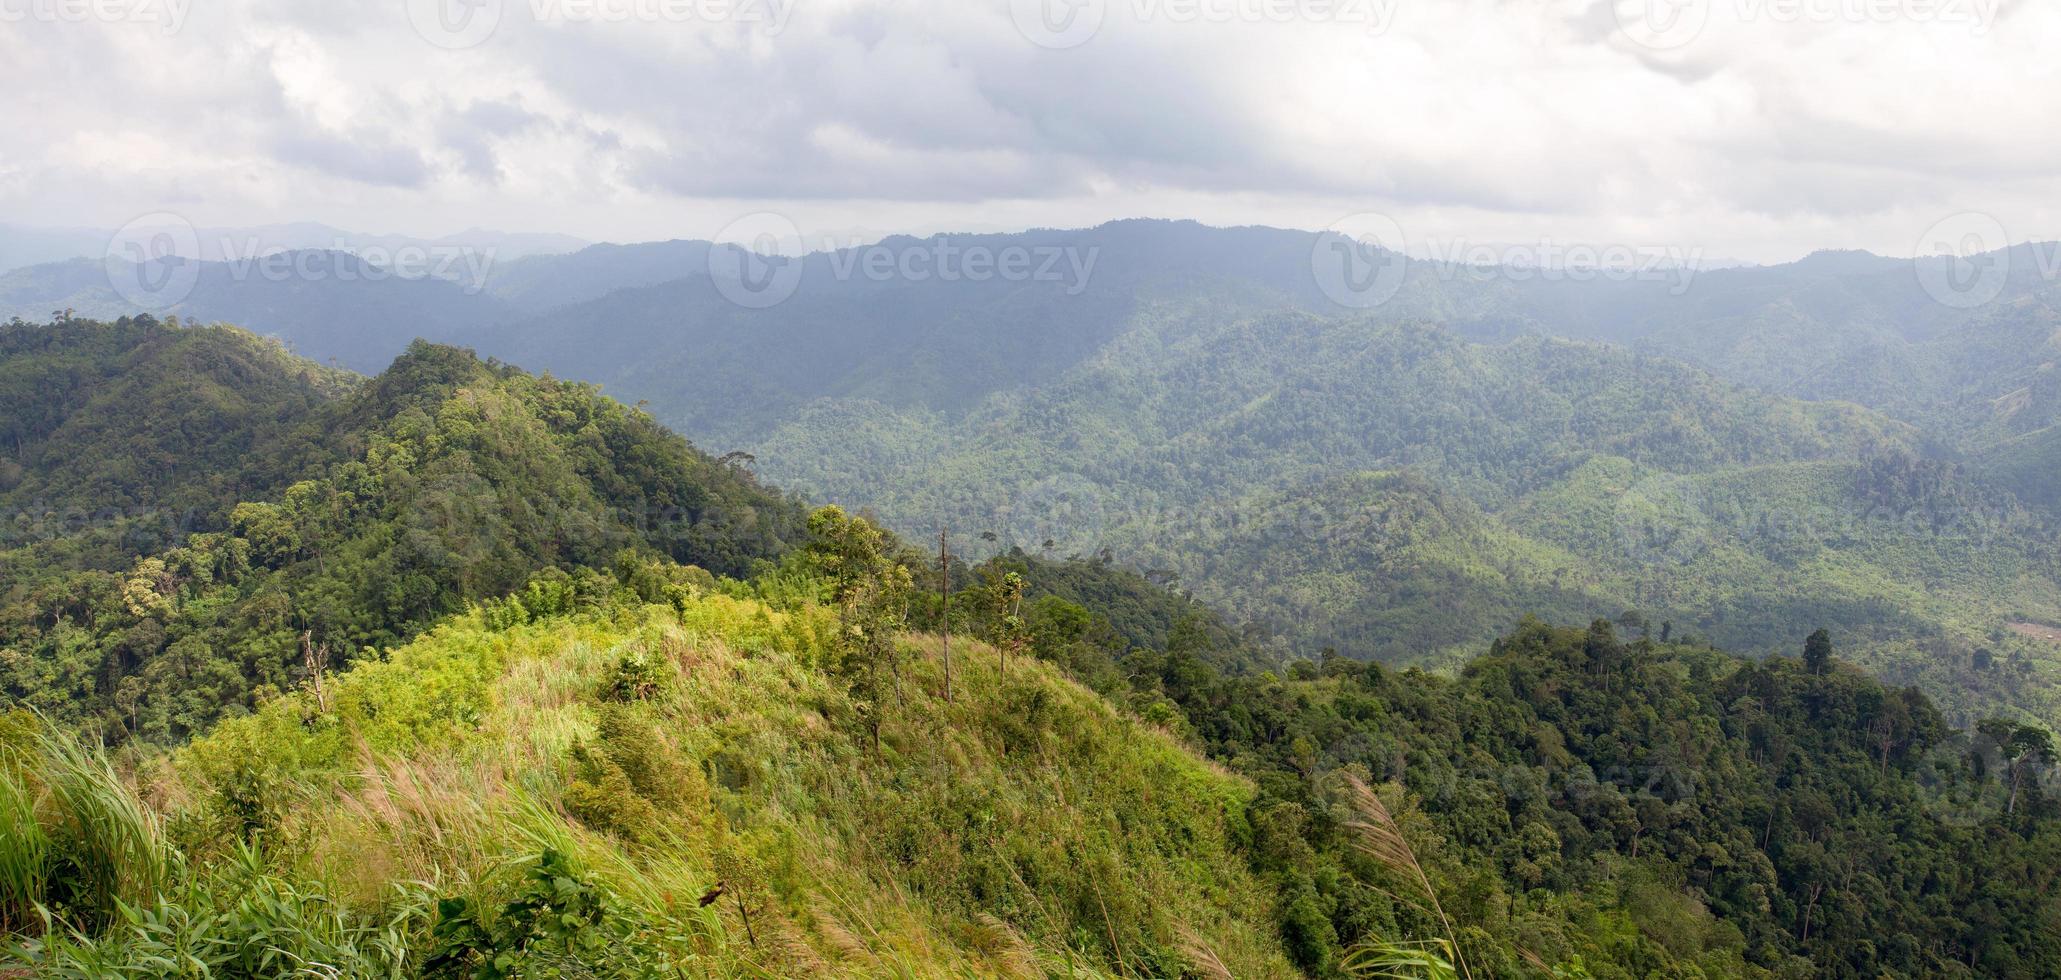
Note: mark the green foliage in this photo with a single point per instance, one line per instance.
(1025, 825)
(1406, 961)
(557, 924)
(639, 675)
(246, 922)
(1620, 807)
(389, 504)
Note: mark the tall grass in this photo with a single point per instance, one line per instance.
(76, 842)
(108, 847)
(24, 848)
(1379, 837)
(407, 824)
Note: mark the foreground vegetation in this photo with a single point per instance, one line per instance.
(651, 770)
(358, 724)
(671, 780)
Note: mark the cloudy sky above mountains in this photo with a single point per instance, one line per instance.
(1753, 128)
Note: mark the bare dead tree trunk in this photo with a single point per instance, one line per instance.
(745, 914)
(318, 661)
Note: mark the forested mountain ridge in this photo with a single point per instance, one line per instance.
(606, 746)
(132, 416)
(1395, 491)
(1848, 326)
(323, 525)
(1165, 383)
(443, 709)
(1200, 391)
(1660, 794)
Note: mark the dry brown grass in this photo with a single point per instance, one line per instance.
(1379, 837)
(1201, 955)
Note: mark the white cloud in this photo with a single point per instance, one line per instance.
(1781, 126)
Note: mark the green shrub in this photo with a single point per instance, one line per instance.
(640, 674)
(560, 922)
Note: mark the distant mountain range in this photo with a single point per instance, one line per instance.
(1849, 440)
(21, 247)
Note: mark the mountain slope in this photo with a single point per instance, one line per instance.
(326, 306)
(558, 750)
(372, 514)
(1167, 380)
(131, 415)
(1572, 479)
(1024, 821)
(646, 772)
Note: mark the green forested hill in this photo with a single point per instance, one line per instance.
(1603, 803)
(1164, 384)
(499, 678)
(1397, 492)
(133, 415)
(650, 771)
(333, 518)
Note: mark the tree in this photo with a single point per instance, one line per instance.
(1817, 652)
(1006, 630)
(2021, 746)
(871, 590)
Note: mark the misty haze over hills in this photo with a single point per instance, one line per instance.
(1050, 404)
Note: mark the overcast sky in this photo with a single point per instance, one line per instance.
(1760, 129)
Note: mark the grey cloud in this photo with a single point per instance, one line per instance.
(361, 159)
